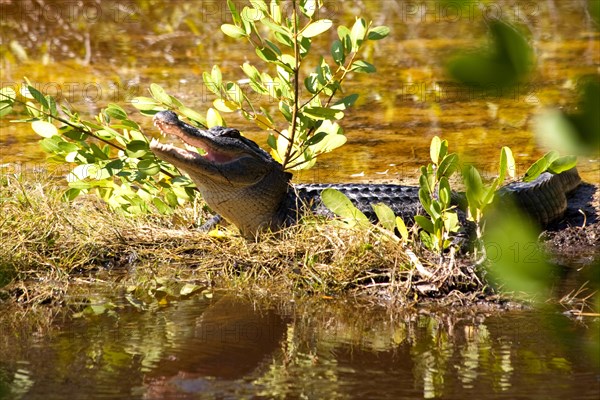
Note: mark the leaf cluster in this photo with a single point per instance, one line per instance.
(111, 155)
(283, 41)
(435, 196)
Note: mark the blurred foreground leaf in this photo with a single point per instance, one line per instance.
(577, 132)
(507, 61)
(517, 261)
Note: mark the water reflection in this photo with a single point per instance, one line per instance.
(229, 347)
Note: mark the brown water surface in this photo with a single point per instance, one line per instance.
(111, 52)
(232, 348)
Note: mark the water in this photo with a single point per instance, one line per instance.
(231, 347)
(107, 52)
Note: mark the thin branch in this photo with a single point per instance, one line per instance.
(288, 150)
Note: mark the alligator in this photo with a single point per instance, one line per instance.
(245, 185)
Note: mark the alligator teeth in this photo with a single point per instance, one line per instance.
(162, 133)
(154, 142)
(190, 148)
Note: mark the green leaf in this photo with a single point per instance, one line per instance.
(276, 28)
(434, 149)
(275, 11)
(328, 143)
(385, 215)
(7, 99)
(507, 164)
(316, 28)
(401, 226)
(341, 206)
(451, 223)
(323, 113)
(216, 76)
(161, 206)
(114, 167)
(311, 82)
(44, 129)
(444, 192)
(378, 32)
(535, 170)
(344, 35)
(189, 288)
(272, 141)
(71, 194)
(508, 61)
(316, 138)
(251, 72)
(144, 103)
(512, 47)
(259, 5)
(137, 148)
(233, 31)
(425, 199)
(251, 15)
(213, 118)
(338, 53)
(193, 116)
(357, 34)
(115, 111)
(67, 147)
(284, 38)
(425, 223)
(148, 167)
(551, 156)
(562, 164)
(225, 105)
(473, 182)
(448, 166)
(38, 96)
(266, 54)
(234, 13)
(428, 240)
(160, 95)
(361, 66)
(210, 84)
(346, 102)
(50, 144)
(308, 7)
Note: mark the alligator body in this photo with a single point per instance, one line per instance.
(245, 185)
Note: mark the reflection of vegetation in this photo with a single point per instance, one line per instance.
(323, 352)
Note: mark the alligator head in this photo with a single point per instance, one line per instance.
(237, 179)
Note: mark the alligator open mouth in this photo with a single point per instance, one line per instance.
(169, 124)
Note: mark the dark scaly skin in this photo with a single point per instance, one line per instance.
(245, 185)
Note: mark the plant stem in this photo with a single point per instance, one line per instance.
(288, 150)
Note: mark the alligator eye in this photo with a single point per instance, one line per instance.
(225, 132)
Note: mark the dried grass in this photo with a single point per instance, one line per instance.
(48, 245)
